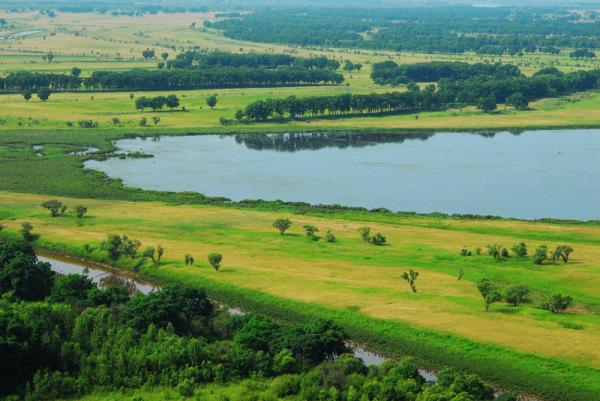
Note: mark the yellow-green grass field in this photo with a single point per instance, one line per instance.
(357, 277)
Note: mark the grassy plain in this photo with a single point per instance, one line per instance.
(354, 276)
(360, 284)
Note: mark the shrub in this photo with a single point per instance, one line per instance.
(465, 252)
(329, 237)
(186, 388)
(516, 295)
(365, 233)
(80, 211)
(87, 124)
(541, 254)
(378, 239)
(520, 250)
(311, 232)
(286, 385)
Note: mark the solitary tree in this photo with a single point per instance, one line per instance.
(211, 101)
(55, 207)
(27, 95)
(189, 260)
(329, 237)
(489, 292)
(43, 93)
(562, 252)
(80, 211)
(76, 71)
(159, 253)
(215, 260)
(164, 55)
(411, 277)
(282, 225)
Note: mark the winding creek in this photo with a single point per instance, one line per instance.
(106, 276)
(99, 273)
(526, 175)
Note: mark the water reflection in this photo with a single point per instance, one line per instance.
(527, 175)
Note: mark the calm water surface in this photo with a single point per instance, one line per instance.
(526, 175)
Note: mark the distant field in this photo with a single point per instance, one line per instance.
(99, 41)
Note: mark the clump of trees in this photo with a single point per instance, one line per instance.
(154, 254)
(156, 103)
(562, 252)
(120, 246)
(55, 207)
(365, 235)
(557, 303)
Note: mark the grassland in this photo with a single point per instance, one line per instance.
(360, 280)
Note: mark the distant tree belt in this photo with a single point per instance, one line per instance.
(548, 82)
(390, 73)
(198, 59)
(221, 77)
(444, 29)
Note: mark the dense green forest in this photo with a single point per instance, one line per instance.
(63, 336)
(448, 29)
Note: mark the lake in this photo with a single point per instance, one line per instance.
(527, 175)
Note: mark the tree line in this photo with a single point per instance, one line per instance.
(346, 104)
(203, 59)
(484, 92)
(173, 79)
(391, 73)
